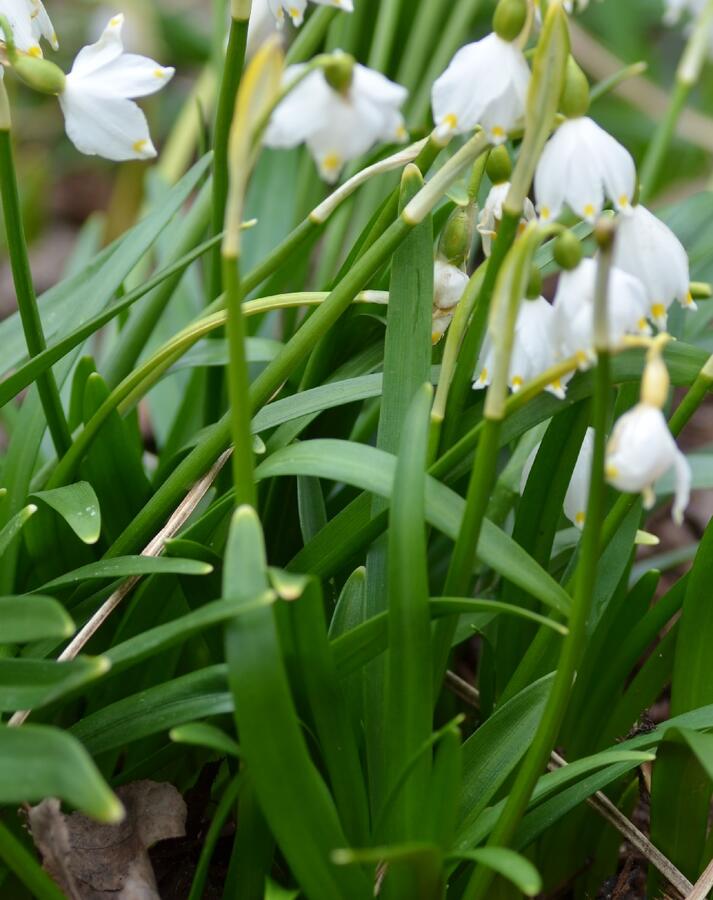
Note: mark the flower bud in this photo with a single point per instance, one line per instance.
(604, 233)
(499, 166)
(567, 251)
(655, 382)
(509, 18)
(457, 237)
(534, 285)
(339, 72)
(575, 95)
(40, 74)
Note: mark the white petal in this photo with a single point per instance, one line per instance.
(24, 32)
(42, 24)
(683, 487)
(303, 111)
(577, 496)
(108, 48)
(641, 449)
(114, 128)
(130, 76)
(449, 284)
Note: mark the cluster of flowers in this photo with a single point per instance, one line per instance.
(342, 117)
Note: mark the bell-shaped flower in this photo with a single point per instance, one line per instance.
(30, 23)
(100, 116)
(337, 126)
(642, 449)
(582, 166)
(485, 84)
(649, 250)
(97, 101)
(574, 310)
(492, 213)
(449, 284)
(295, 9)
(533, 350)
(577, 496)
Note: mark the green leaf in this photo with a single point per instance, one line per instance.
(201, 734)
(298, 809)
(125, 566)
(373, 470)
(31, 617)
(39, 762)
(510, 865)
(30, 683)
(14, 526)
(26, 867)
(79, 507)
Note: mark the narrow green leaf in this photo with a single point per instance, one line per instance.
(39, 762)
(14, 526)
(31, 683)
(510, 865)
(124, 566)
(79, 507)
(201, 734)
(33, 617)
(26, 867)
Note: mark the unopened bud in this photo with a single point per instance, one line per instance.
(509, 18)
(534, 285)
(449, 284)
(567, 251)
(339, 72)
(575, 95)
(499, 166)
(457, 237)
(656, 382)
(40, 74)
(604, 233)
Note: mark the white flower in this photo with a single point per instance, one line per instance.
(100, 116)
(492, 214)
(295, 9)
(449, 283)
(640, 450)
(577, 496)
(442, 318)
(649, 250)
(574, 310)
(338, 127)
(30, 23)
(582, 165)
(485, 84)
(533, 350)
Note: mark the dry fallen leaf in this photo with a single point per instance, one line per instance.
(90, 861)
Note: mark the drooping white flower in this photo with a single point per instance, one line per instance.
(30, 23)
(295, 9)
(492, 214)
(574, 310)
(649, 250)
(485, 84)
(100, 116)
(337, 126)
(575, 501)
(641, 449)
(449, 284)
(533, 351)
(581, 166)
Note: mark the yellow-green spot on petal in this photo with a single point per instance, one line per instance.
(115, 22)
(35, 52)
(545, 213)
(516, 383)
(498, 132)
(611, 471)
(623, 201)
(139, 146)
(589, 210)
(451, 120)
(658, 310)
(332, 162)
(579, 518)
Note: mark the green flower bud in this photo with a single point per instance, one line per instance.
(575, 95)
(534, 285)
(457, 237)
(40, 74)
(339, 72)
(567, 251)
(499, 167)
(509, 18)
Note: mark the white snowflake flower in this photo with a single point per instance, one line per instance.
(577, 496)
(581, 166)
(649, 250)
(485, 84)
(100, 116)
(338, 126)
(533, 349)
(30, 23)
(574, 310)
(642, 449)
(492, 213)
(295, 9)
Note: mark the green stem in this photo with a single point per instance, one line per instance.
(25, 291)
(228, 800)
(26, 868)
(230, 82)
(311, 35)
(385, 28)
(239, 387)
(574, 643)
(473, 340)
